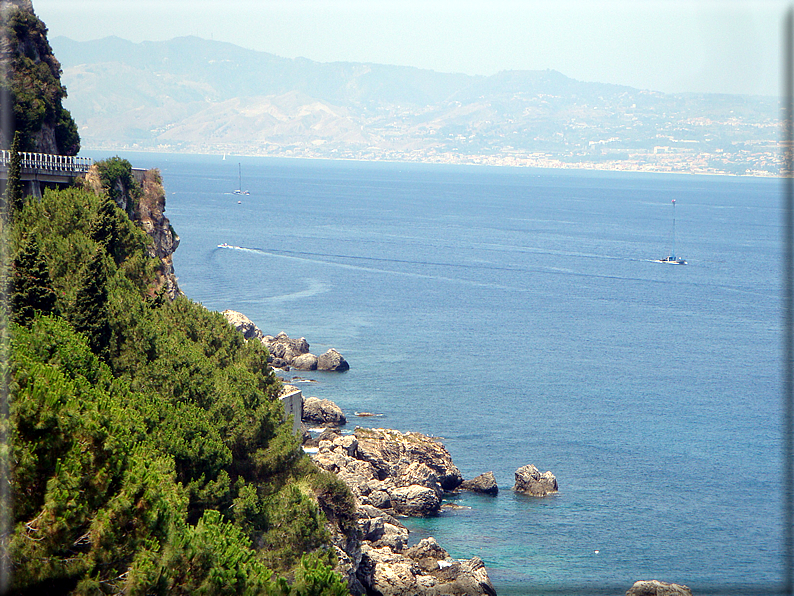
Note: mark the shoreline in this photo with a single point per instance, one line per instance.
(547, 163)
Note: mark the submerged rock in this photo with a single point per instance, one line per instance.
(484, 483)
(531, 482)
(656, 588)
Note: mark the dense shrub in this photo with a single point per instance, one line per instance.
(32, 85)
(151, 452)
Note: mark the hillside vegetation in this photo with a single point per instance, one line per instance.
(149, 447)
(30, 88)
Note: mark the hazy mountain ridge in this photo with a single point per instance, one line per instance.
(190, 94)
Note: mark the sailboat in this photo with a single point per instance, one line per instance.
(240, 190)
(671, 259)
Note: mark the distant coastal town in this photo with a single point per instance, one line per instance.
(663, 159)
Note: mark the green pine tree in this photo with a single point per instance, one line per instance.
(90, 311)
(31, 289)
(104, 227)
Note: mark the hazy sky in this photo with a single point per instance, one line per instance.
(726, 46)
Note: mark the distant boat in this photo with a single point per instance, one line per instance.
(240, 190)
(671, 259)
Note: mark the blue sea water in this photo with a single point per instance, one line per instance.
(518, 314)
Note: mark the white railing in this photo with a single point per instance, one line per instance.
(48, 162)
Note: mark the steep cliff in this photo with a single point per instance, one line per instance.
(142, 196)
(31, 92)
(165, 240)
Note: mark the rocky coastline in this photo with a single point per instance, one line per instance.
(393, 475)
(286, 352)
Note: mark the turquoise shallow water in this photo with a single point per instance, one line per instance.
(519, 315)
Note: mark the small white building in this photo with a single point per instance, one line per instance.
(292, 399)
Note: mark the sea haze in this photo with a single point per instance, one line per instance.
(519, 314)
(196, 95)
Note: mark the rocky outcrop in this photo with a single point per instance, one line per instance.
(332, 361)
(484, 483)
(388, 567)
(147, 210)
(657, 588)
(328, 434)
(402, 473)
(150, 214)
(304, 362)
(243, 324)
(322, 412)
(530, 481)
(286, 352)
(391, 453)
(425, 569)
(391, 473)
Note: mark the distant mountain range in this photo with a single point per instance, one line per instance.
(191, 94)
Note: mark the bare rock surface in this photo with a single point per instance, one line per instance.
(425, 569)
(322, 412)
(390, 470)
(243, 324)
(286, 352)
(531, 482)
(415, 500)
(484, 483)
(332, 361)
(304, 362)
(149, 212)
(392, 453)
(391, 473)
(656, 588)
(284, 347)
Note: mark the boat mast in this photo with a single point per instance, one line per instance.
(672, 255)
(240, 180)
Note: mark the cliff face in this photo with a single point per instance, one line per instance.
(30, 81)
(144, 202)
(151, 217)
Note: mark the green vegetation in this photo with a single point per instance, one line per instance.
(149, 447)
(117, 180)
(33, 84)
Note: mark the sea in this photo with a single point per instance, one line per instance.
(521, 316)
